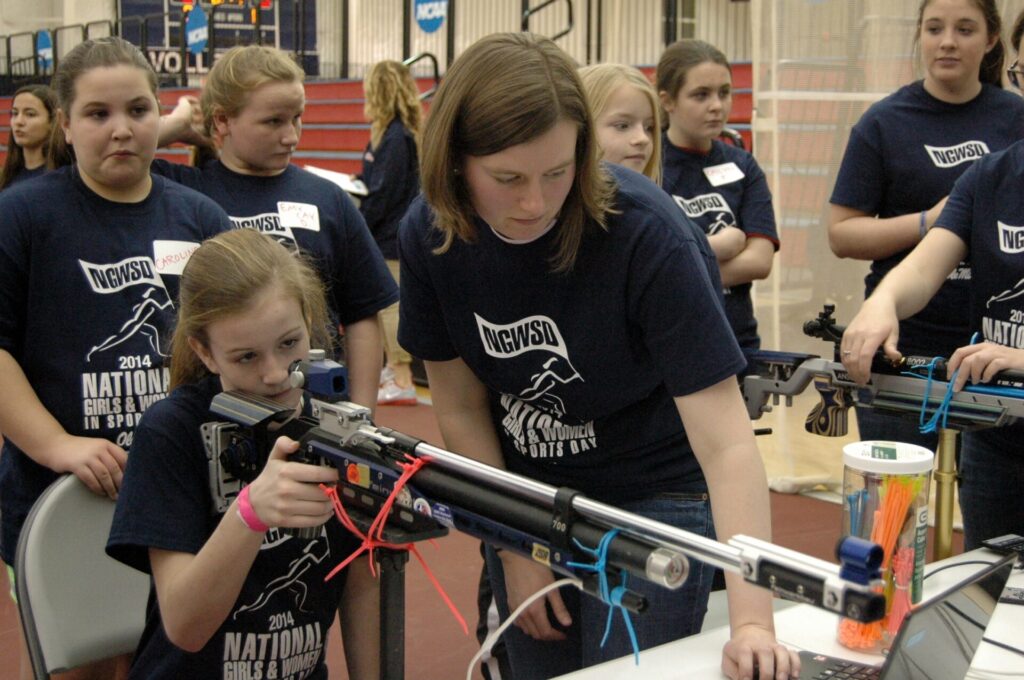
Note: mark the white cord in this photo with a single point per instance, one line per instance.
(493, 637)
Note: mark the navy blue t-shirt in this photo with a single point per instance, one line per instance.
(311, 214)
(26, 174)
(278, 625)
(986, 210)
(904, 155)
(723, 188)
(87, 294)
(392, 178)
(581, 367)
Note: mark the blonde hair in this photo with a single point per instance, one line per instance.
(223, 277)
(507, 89)
(240, 71)
(601, 80)
(391, 93)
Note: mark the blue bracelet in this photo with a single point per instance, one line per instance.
(924, 223)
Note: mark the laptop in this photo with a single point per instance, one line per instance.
(937, 640)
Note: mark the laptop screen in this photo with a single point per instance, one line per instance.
(939, 638)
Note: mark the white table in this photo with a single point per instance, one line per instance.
(805, 627)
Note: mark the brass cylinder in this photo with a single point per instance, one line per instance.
(945, 481)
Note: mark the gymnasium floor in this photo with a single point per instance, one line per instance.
(436, 648)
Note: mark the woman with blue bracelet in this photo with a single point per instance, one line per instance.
(982, 220)
(901, 162)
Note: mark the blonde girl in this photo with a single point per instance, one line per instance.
(627, 119)
(391, 174)
(252, 104)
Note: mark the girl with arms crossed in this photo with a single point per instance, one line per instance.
(719, 186)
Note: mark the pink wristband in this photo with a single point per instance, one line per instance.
(247, 514)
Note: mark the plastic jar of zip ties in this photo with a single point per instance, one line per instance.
(885, 500)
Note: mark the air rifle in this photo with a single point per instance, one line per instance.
(895, 387)
(542, 522)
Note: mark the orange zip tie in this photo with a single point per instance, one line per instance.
(373, 538)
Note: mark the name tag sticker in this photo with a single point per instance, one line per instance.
(170, 257)
(299, 215)
(723, 174)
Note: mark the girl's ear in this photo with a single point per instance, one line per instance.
(62, 120)
(204, 354)
(220, 123)
(666, 102)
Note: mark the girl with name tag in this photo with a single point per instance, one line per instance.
(90, 259)
(718, 185)
(901, 161)
(252, 104)
(572, 334)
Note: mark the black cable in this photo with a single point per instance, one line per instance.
(957, 564)
(1003, 645)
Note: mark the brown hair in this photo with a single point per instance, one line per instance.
(15, 161)
(222, 278)
(391, 93)
(677, 60)
(991, 69)
(85, 56)
(1018, 32)
(507, 89)
(601, 80)
(238, 72)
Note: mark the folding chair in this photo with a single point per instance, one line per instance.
(77, 605)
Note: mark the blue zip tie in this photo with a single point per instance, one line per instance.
(942, 411)
(611, 597)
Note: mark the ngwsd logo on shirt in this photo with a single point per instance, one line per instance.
(1011, 238)
(699, 205)
(534, 419)
(708, 203)
(952, 156)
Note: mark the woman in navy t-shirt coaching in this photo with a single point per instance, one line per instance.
(572, 334)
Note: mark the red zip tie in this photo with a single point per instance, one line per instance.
(374, 537)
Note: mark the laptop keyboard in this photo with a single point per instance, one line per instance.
(844, 670)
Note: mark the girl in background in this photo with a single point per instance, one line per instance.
(902, 159)
(626, 117)
(252, 104)
(391, 174)
(571, 334)
(719, 186)
(33, 118)
(88, 281)
(225, 582)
